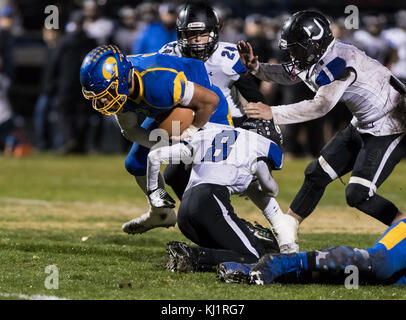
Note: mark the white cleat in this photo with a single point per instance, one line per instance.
(285, 228)
(154, 218)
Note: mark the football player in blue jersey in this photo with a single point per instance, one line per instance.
(384, 263)
(151, 84)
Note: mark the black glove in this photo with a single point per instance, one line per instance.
(265, 128)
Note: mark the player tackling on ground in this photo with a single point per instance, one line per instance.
(370, 146)
(224, 161)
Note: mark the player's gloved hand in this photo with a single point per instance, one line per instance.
(247, 56)
(159, 198)
(188, 132)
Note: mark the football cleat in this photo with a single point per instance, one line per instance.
(271, 267)
(154, 218)
(264, 271)
(285, 227)
(234, 272)
(264, 235)
(182, 258)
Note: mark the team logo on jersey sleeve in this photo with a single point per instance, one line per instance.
(110, 68)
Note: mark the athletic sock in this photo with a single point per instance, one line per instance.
(272, 209)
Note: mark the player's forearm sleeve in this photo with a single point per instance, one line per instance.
(130, 129)
(265, 179)
(275, 73)
(176, 153)
(325, 99)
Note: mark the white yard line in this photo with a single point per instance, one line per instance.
(27, 297)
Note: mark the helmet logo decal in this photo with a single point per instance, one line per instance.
(315, 37)
(196, 25)
(283, 43)
(110, 68)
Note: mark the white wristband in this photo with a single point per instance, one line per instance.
(190, 131)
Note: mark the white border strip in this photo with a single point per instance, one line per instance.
(27, 297)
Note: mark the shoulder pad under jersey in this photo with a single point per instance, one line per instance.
(228, 57)
(334, 63)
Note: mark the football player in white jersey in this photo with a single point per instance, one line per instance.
(224, 161)
(370, 146)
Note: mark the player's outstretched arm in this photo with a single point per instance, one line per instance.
(265, 179)
(175, 153)
(263, 71)
(248, 59)
(325, 99)
(158, 197)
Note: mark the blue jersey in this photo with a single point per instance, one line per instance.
(389, 254)
(163, 81)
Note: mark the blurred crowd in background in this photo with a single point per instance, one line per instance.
(41, 104)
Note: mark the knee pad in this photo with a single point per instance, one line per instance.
(315, 174)
(356, 194)
(309, 195)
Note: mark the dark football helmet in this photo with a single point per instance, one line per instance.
(305, 36)
(193, 19)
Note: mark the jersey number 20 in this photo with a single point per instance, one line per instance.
(221, 146)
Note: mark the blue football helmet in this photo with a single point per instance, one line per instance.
(105, 75)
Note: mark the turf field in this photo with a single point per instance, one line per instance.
(68, 211)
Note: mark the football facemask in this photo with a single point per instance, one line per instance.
(108, 102)
(201, 50)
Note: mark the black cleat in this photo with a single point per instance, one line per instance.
(234, 272)
(182, 258)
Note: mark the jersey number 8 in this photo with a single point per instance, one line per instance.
(221, 146)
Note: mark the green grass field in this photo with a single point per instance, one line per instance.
(68, 212)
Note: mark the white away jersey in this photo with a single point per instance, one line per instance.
(225, 155)
(224, 67)
(370, 98)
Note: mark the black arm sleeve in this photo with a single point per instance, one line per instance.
(248, 86)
